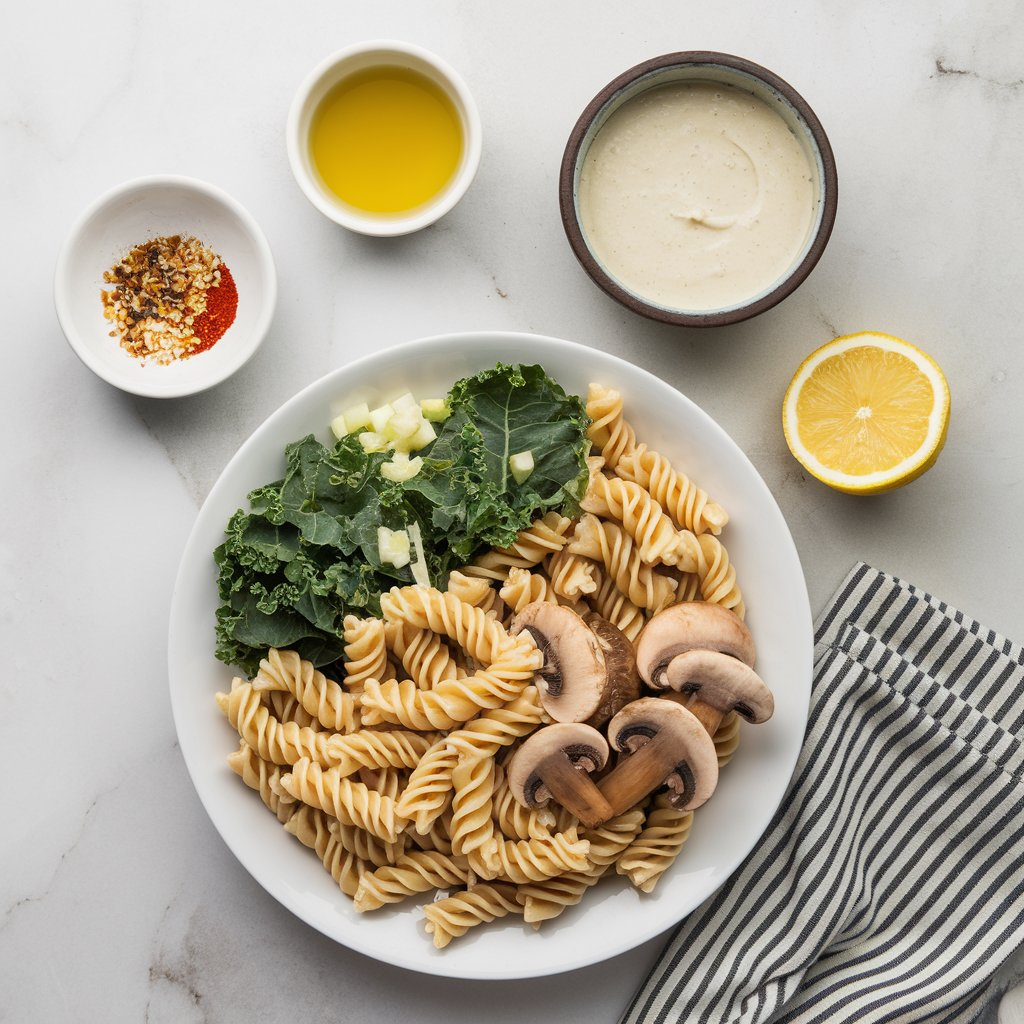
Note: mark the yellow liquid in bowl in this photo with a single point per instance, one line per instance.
(386, 140)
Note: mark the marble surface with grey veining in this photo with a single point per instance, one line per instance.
(118, 900)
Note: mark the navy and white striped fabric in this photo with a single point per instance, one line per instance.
(890, 884)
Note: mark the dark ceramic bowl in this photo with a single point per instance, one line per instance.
(716, 68)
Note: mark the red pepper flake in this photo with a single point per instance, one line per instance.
(221, 307)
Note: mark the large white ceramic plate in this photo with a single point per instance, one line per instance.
(612, 917)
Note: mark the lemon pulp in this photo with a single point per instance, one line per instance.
(386, 139)
(867, 412)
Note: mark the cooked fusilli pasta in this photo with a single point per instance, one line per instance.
(350, 802)
(312, 828)
(609, 432)
(654, 850)
(366, 652)
(531, 546)
(452, 917)
(414, 872)
(321, 697)
(609, 544)
(689, 506)
(264, 777)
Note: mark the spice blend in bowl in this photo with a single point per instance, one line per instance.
(173, 268)
(172, 298)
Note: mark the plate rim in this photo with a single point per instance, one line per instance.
(440, 965)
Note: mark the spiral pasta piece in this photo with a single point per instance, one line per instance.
(727, 738)
(473, 787)
(612, 604)
(285, 707)
(264, 777)
(543, 537)
(319, 696)
(547, 898)
(415, 872)
(480, 636)
(388, 782)
(366, 652)
(424, 655)
(530, 860)
(451, 703)
(437, 836)
(368, 848)
(280, 742)
(452, 917)
(312, 828)
(524, 587)
(655, 849)
(608, 431)
(653, 531)
(688, 588)
(477, 591)
(515, 821)
(689, 506)
(609, 544)
(485, 735)
(369, 748)
(718, 577)
(350, 802)
(429, 789)
(572, 576)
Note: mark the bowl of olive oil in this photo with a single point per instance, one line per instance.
(384, 138)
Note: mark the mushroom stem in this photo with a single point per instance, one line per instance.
(639, 773)
(708, 715)
(575, 791)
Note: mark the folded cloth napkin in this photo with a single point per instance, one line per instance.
(890, 884)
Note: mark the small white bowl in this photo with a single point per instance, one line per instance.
(327, 74)
(130, 215)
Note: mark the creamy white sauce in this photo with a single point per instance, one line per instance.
(696, 195)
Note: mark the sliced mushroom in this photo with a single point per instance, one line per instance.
(589, 669)
(690, 625)
(623, 680)
(556, 763)
(712, 684)
(666, 745)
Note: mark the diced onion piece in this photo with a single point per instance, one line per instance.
(356, 418)
(379, 417)
(404, 424)
(401, 467)
(393, 546)
(521, 466)
(372, 441)
(405, 403)
(436, 410)
(423, 436)
(338, 426)
(419, 565)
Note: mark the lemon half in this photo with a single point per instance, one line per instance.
(867, 413)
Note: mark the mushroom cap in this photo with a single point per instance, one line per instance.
(623, 680)
(574, 674)
(687, 626)
(584, 746)
(723, 682)
(692, 773)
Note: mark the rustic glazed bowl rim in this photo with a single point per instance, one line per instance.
(584, 132)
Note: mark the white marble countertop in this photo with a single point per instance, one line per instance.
(118, 900)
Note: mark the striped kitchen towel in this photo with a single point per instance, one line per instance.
(890, 884)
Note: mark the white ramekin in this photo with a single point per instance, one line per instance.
(380, 53)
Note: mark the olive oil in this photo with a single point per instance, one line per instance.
(386, 140)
